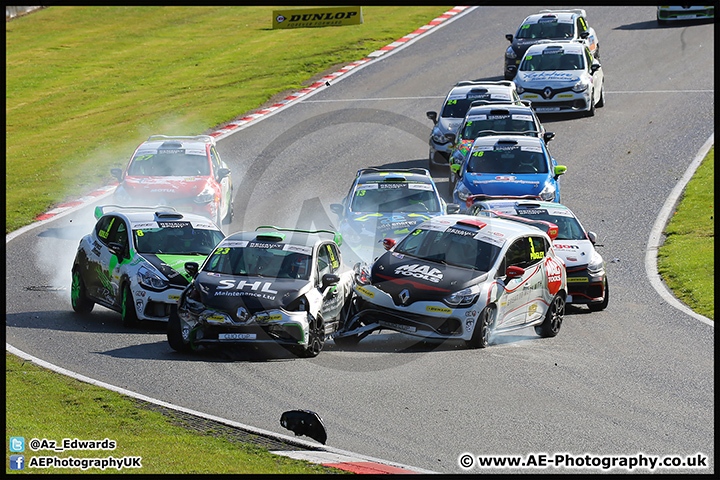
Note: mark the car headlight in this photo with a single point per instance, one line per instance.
(464, 297)
(548, 193)
(206, 196)
(150, 279)
(596, 264)
(519, 89)
(510, 53)
(462, 191)
(438, 137)
(580, 86)
(362, 275)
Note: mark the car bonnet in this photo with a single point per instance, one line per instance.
(173, 266)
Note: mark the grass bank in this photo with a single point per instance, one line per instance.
(86, 85)
(686, 261)
(86, 412)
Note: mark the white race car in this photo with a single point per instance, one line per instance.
(462, 277)
(561, 77)
(133, 262)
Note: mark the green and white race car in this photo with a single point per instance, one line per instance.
(133, 261)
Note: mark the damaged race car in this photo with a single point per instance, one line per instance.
(462, 277)
(133, 261)
(271, 285)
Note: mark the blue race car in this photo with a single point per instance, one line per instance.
(513, 165)
(386, 203)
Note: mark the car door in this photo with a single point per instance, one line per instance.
(514, 304)
(333, 297)
(100, 283)
(536, 281)
(117, 257)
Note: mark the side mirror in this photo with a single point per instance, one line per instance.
(116, 249)
(451, 138)
(452, 208)
(559, 170)
(432, 116)
(548, 136)
(592, 236)
(117, 173)
(388, 243)
(509, 37)
(585, 34)
(595, 66)
(337, 208)
(223, 172)
(192, 268)
(514, 272)
(330, 279)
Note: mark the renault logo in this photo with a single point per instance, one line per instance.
(242, 314)
(547, 93)
(404, 296)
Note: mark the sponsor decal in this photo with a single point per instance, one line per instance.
(395, 326)
(554, 275)
(532, 308)
(564, 246)
(430, 308)
(268, 318)
(577, 280)
(424, 272)
(364, 291)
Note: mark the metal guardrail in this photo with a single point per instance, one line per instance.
(14, 12)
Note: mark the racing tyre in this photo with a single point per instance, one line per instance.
(316, 339)
(596, 307)
(601, 102)
(129, 315)
(483, 328)
(591, 112)
(174, 333)
(553, 318)
(78, 296)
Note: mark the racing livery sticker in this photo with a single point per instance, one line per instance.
(554, 274)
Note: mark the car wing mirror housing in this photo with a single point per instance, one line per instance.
(192, 268)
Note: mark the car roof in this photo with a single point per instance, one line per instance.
(286, 236)
(197, 141)
(466, 86)
(500, 228)
(160, 213)
(395, 174)
(568, 46)
(521, 140)
(500, 202)
(560, 14)
(510, 107)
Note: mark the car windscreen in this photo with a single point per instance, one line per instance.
(261, 259)
(386, 197)
(515, 159)
(169, 164)
(550, 30)
(176, 238)
(476, 124)
(454, 246)
(552, 62)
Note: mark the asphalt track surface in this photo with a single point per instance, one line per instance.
(635, 378)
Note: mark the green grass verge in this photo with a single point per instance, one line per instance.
(686, 261)
(86, 85)
(87, 412)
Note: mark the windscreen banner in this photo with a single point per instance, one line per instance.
(317, 17)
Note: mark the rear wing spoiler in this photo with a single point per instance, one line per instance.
(101, 210)
(550, 228)
(337, 237)
(572, 10)
(197, 138)
(471, 199)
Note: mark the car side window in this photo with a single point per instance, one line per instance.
(588, 58)
(215, 159)
(119, 234)
(328, 259)
(103, 228)
(518, 254)
(538, 249)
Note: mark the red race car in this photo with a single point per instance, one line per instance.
(183, 172)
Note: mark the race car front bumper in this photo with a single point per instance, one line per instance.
(566, 101)
(155, 306)
(583, 287)
(423, 319)
(271, 326)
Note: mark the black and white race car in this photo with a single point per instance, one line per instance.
(272, 285)
(462, 277)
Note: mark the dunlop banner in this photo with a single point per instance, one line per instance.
(317, 17)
